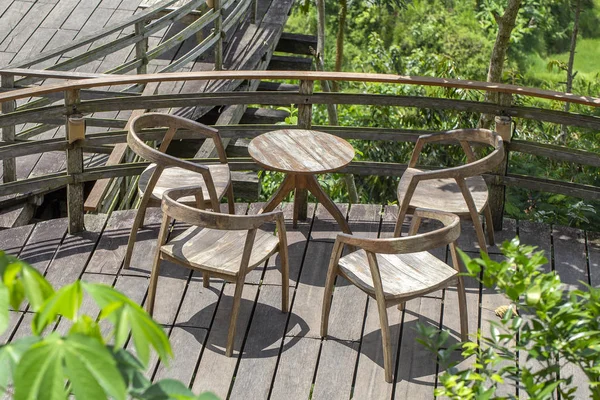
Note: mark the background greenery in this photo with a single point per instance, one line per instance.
(454, 39)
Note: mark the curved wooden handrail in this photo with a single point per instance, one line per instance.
(52, 113)
(301, 75)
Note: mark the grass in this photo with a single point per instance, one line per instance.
(587, 62)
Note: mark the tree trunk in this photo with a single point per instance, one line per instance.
(321, 27)
(570, 75)
(339, 42)
(506, 23)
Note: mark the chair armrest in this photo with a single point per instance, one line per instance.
(463, 136)
(215, 220)
(410, 244)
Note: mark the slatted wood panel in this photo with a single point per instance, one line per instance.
(281, 356)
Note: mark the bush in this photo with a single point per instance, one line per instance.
(546, 323)
(84, 363)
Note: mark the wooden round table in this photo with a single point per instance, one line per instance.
(301, 154)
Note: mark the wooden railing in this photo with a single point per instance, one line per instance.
(223, 17)
(76, 103)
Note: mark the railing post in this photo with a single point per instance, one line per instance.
(74, 162)
(304, 122)
(254, 12)
(141, 48)
(8, 132)
(219, 32)
(497, 189)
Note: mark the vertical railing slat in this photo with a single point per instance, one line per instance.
(8, 132)
(75, 196)
(219, 32)
(141, 48)
(497, 195)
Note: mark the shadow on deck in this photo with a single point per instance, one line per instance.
(281, 356)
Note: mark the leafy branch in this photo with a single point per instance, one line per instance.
(548, 324)
(83, 363)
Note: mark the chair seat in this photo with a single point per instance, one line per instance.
(219, 250)
(443, 194)
(175, 177)
(402, 275)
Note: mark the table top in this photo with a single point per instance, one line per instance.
(301, 151)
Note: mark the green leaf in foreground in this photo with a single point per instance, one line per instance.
(169, 389)
(10, 355)
(39, 374)
(37, 288)
(4, 302)
(84, 362)
(127, 315)
(92, 369)
(65, 302)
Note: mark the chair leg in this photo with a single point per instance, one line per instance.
(329, 282)
(401, 306)
(386, 342)
(152, 286)
(237, 297)
(230, 199)
(489, 225)
(327, 298)
(285, 280)
(205, 279)
(473, 213)
(137, 222)
(462, 309)
(414, 225)
(479, 232)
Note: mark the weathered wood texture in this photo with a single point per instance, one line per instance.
(301, 154)
(280, 355)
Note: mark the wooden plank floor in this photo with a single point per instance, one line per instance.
(281, 356)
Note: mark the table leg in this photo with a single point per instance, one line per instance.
(288, 184)
(313, 186)
(300, 202)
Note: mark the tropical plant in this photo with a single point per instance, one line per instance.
(85, 363)
(546, 328)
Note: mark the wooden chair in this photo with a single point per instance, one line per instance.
(217, 244)
(168, 172)
(459, 190)
(395, 270)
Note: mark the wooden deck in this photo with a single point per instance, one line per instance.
(281, 356)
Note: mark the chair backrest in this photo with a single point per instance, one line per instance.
(208, 219)
(412, 244)
(465, 137)
(172, 123)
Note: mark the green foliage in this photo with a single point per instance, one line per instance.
(454, 39)
(83, 364)
(553, 326)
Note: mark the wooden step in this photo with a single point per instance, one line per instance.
(263, 116)
(296, 43)
(17, 215)
(290, 63)
(276, 87)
